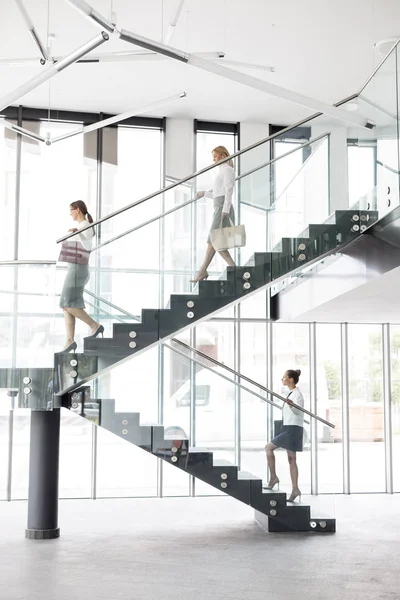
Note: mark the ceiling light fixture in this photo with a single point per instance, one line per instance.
(238, 76)
(32, 30)
(83, 7)
(56, 68)
(121, 117)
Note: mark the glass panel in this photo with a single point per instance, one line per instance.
(378, 101)
(64, 166)
(395, 403)
(27, 314)
(291, 351)
(75, 456)
(367, 450)
(174, 243)
(4, 441)
(329, 407)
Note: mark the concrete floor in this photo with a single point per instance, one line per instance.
(200, 549)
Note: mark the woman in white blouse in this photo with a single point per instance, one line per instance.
(291, 437)
(71, 300)
(222, 193)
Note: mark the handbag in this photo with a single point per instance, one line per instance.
(224, 238)
(74, 252)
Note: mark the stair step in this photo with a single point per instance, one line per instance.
(221, 462)
(248, 476)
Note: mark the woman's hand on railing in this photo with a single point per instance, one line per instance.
(199, 195)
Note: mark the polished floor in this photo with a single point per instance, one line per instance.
(200, 549)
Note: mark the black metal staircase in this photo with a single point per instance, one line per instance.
(200, 463)
(211, 296)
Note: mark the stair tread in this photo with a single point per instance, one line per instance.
(221, 462)
(248, 475)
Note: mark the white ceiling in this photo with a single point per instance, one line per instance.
(318, 48)
(373, 302)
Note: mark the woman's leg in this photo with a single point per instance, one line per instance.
(207, 259)
(294, 471)
(227, 257)
(269, 449)
(82, 315)
(69, 327)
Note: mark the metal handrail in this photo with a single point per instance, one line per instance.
(374, 72)
(192, 200)
(219, 364)
(206, 169)
(251, 381)
(27, 262)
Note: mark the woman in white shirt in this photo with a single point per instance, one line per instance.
(71, 300)
(291, 437)
(222, 193)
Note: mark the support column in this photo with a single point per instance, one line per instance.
(43, 475)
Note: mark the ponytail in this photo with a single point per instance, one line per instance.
(83, 208)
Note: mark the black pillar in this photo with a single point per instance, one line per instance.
(43, 475)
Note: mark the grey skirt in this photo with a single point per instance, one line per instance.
(74, 284)
(218, 205)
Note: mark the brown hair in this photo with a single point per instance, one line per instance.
(83, 208)
(222, 150)
(294, 374)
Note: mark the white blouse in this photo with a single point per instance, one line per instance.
(85, 236)
(290, 415)
(224, 184)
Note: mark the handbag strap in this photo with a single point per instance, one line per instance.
(230, 221)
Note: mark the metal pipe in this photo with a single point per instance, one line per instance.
(95, 17)
(387, 406)
(120, 117)
(22, 131)
(344, 340)
(238, 76)
(164, 190)
(173, 22)
(148, 44)
(313, 407)
(378, 67)
(32, 30)
(12, 263)
(52, 70)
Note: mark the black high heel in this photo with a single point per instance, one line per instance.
(99, 330)
(72, 347)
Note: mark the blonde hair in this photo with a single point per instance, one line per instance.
(222, 150)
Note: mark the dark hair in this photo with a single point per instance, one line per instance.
(83, 208)
(294, 374)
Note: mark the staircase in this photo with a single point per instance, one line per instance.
(183, 310)
(211, 296)
(271, 508)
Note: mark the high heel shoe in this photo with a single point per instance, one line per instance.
(201, 275)
(295, 494)
(272, 483)
(100, 329)
(71, 348)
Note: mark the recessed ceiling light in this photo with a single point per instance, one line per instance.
(385, 45)
(351, 106)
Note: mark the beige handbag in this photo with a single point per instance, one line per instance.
(224, 238)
